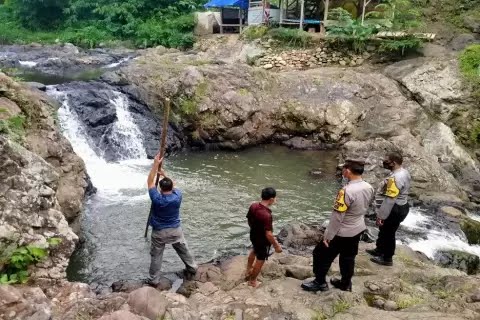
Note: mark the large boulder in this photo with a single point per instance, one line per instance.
(206, 22)
(471, 228)
(121, 315)
(435, 83)
(29, 207)
(43, 138)
(148, 302)
(460, 260)
(24, 303)
(300, 235)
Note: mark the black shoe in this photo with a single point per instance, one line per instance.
(382, 261)
(374, 252)
(337, 283)
(314, 286)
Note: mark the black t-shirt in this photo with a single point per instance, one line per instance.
(260, 220)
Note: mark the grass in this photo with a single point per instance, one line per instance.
(14, 128)
(189, 105)
(243, 92)
(340, 306)
(285, 37)
(470, 68)
(319, 315)
(254, 32)
(404, 302)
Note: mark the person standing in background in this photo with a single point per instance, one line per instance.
(342, 236)
(391, 202)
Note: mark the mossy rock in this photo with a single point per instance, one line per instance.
(471, 228)
(459, 260)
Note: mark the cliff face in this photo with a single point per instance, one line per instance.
(363, 111)
(42, 181)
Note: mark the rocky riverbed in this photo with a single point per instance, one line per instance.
(418, 106)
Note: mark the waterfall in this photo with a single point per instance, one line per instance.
(126, 133)
(110, 178)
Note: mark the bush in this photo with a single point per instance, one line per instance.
(14, 127)
(291, 37)
(87, 37)
(470, 67)
(39, 14)
(400, 45)
(171, 33)
(15, 265)
(349, 32)
(254, 32)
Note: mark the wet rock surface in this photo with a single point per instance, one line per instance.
(98, 106)
(60, 60)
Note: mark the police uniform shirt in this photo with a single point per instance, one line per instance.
(351, 205)
(393, 190)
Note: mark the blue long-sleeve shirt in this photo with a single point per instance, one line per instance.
(166, 209)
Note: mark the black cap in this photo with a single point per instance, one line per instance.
(353, 161)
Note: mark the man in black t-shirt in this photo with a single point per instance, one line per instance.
(260, 221)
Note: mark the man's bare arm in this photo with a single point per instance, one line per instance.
(273, 241)
(153, 172)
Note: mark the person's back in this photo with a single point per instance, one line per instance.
(165, 221)
(360, 194)
(391, 208)
(166, 209)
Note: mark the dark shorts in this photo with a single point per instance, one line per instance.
(261, 250)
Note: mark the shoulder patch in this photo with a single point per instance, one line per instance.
(340, 205)
(391, 189)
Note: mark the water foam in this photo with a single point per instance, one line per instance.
(28, 64)
(436, 239)
(116, 64)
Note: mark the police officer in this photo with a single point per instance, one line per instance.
(391, 202)
(343, 233)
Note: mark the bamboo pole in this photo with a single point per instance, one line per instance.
(163, 147)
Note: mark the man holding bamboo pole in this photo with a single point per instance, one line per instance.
(164, 215)
(165, 222)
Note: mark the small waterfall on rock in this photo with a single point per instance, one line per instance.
(125, 132)
(107, 177)
(434, 238)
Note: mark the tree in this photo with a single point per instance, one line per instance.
(39, 14)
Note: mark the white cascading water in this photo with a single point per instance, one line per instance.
(126, 133)
(110, 178)
(436, 239)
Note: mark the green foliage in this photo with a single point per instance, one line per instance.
(402, 46)
(88, 23)
(14, 127)
(87, 37)
(254, 32)
(405, 301)
(172, 33)
(291, 37)
(15, 267)
(350, 32)
(340, 306)
(402, 14)
(470, 67)
(39, 14)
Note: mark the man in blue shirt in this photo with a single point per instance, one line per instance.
(165, 222)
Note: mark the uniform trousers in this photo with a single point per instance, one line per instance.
(386, 241)
(323, 256)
